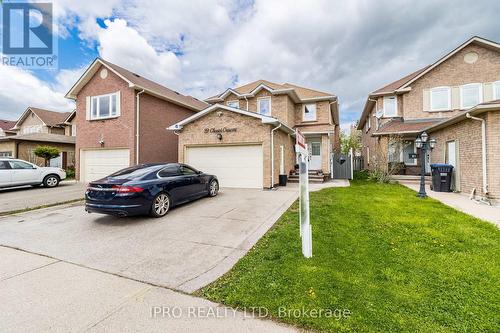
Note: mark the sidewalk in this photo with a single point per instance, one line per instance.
(41, 294)
(462, 203)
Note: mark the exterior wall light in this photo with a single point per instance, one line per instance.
(219, 136)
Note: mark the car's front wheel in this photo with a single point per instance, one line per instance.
(213, 189)
(51, 181)
(161, 205)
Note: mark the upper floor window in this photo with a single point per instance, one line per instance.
(233, 104)
(441, 99)
(105, 106)
(390, 106)
(309, 113)
(496, 90)
(264, 106)
(470, 95)
(73, 130)
(32, 129)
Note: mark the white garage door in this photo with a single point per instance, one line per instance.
(99, 163)
(234, 166)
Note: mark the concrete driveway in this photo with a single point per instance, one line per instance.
(25, 197)
(187, 249)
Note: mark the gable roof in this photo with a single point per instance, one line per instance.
(402, 85)
(137, 82)
(49, 118)
(265, 119)
(405, 127)
(7, 124)
(297, 93)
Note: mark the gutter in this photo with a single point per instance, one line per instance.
(483, 150)
(137, 127)
(272, 154)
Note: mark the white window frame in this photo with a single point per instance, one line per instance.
(73, 129)
(270, 107)
(496, 84)
(395, 110)
(448, 108)
(304, 112)
(369, 122)
(32, 129)
(480, 85)
(98, 97)
(233, 101)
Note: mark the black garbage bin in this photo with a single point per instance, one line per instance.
(441, 177)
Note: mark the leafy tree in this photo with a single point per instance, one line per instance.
(351, 140)
(47, 153)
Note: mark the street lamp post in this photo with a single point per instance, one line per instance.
(421, 142)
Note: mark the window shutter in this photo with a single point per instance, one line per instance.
(87, 106)
(427, 100)
(118, 102)
(487, 92)
(455, 98)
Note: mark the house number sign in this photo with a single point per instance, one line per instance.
(220, 130)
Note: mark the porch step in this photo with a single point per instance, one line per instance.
(313, 177)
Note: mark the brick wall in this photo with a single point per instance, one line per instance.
(117, 132)
(467, 135)
(249, 131)
(493, 152)
(156, 143)
(453, 72)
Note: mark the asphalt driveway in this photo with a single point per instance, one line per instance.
(187, 249)
(27, 197)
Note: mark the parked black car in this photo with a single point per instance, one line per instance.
(148, 189)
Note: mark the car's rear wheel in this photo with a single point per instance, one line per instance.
(161, 205)
(51, 181)
(213, 189)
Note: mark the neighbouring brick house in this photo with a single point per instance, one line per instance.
(121, 119)
(247, 137)
(39, 127)
(436, 99)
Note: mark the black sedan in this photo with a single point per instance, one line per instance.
(148, 189)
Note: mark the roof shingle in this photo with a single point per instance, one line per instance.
(157, 88)
(6, 124)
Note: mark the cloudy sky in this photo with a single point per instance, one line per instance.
(201, 47)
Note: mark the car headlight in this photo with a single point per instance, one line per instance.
(62, 170)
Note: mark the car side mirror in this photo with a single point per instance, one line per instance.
(199, 172)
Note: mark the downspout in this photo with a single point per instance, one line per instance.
(483, 149)
(137, 128)
(272, 154)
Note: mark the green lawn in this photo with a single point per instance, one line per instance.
(396, 262)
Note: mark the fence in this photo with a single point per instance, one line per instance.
(358, 163)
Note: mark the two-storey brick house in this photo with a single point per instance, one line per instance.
(39, 127)
(437, 99)
(247, 136)
(121, 119)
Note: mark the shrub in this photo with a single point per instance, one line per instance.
(46, 152)
(70, 172)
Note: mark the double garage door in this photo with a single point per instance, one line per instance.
(98, 163)
(234, 166)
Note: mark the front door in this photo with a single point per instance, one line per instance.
(314, 147)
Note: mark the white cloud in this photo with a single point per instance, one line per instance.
(201, 47)
(20, 89)
(123, 46)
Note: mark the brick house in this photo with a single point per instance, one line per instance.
(39, 127)
(437, 99)
(247, 136)
(121, 119)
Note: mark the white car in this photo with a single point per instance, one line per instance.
(14, 172)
